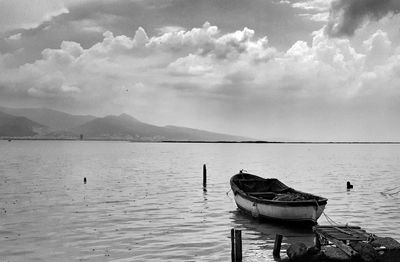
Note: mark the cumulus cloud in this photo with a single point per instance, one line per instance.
(107, 69)
(208, 57)
(346, 16)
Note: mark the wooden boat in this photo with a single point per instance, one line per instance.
(271, 199)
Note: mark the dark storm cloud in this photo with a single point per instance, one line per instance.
(347, 15)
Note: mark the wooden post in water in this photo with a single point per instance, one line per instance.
(204, 177)
(277, 245)
(84, 180)
(236, 245)
(233, 245)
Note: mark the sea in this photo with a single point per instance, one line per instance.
(145, 201)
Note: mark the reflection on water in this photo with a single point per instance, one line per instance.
(145, 202)
(262, 233)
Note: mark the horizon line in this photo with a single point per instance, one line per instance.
(201, 141)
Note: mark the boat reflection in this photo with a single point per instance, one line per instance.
(259, 235)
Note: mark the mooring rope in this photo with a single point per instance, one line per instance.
(330, 220)
(227, 193)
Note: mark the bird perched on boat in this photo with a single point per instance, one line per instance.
(349, 186)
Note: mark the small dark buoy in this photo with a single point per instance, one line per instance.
(84, 180)
(349, 186)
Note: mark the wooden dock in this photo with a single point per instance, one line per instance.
(352, 243)
(333, 243)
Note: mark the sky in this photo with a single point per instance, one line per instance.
(308, 70)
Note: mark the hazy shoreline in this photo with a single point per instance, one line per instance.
(202, 142)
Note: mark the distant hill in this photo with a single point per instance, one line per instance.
(15, 126)
(53, 119)
(128, 127)
(122, 126)
(51, 124)
(190, 134)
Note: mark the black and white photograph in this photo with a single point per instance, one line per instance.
(200, 130)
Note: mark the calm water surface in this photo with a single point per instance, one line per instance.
(144, 201)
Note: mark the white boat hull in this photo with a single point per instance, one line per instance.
(309, 213)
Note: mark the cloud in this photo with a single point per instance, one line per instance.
(213, 75)
(346, 16)
(191, 65)
(207, 57)
(379, 49)
(14, 15)
(313, 5)
(15, 37)
(167, 29)
(87, 20)
(318, 17)
(73, 73)
(314, 10)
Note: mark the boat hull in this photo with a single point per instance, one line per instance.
(297, 214)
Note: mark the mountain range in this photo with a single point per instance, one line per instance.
(44, 123)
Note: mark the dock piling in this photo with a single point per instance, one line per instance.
(277, 245)
(236, 245)
(233, 245)
(204, 177)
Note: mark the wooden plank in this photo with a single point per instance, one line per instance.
(350, 239)
(343, 231)
(347, 237)
(345, 248)
(338, 235)
(344, 237)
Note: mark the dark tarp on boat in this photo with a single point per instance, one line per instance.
(270, 189)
